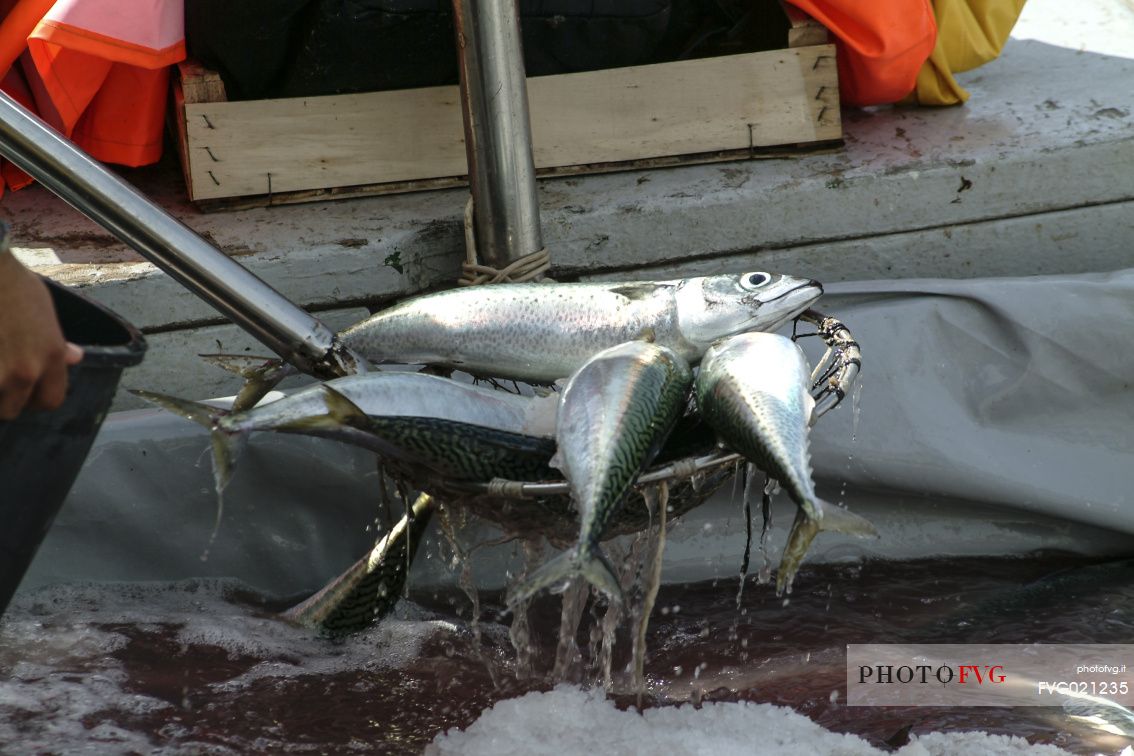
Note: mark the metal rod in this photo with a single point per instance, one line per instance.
(97, 193)
(498, 136)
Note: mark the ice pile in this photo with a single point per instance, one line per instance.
(568, 721)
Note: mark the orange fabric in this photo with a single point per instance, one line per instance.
(97, 69)
(106, 93)
(881, 45)
(64, 82)
(17, 25)
(124, 121)
(117, 50)
(15, 87)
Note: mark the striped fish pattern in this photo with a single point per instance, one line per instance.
(370, 588)
(614, 414)
(753, 390)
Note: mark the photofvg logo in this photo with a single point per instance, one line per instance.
(990, 675)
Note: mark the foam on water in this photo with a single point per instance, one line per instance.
(64, 688)
(569, 721)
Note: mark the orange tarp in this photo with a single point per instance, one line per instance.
(97, 70)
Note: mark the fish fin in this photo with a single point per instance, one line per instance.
(198, 412)
(341, 408)
(227, 447)
(226, 443)
(243, 365)
(341, 411)
(635, 291)
(590, 564)
(841, 520)
(260, 374)
(803, 531)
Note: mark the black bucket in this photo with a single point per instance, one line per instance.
(41, 452)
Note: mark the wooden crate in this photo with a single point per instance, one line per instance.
(266, 152)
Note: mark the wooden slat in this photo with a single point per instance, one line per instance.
(200, 84)
(739, 102)
(804, 30)
(421, 185)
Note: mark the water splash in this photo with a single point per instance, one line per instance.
(460, 560)
(520, 630)
(771, 488)
(567, 655)
(659, 497)
(746, 509)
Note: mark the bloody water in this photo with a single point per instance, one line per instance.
(203, 667)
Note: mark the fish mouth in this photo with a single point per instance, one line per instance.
(788, 304)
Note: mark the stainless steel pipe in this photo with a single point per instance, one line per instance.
(97, 193)
(498, 135)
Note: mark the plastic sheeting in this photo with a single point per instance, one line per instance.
(1011, 391)
(994, 417)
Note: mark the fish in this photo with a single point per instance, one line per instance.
(543, 332)
(386, 412)
(615, 413)
(752, 389)
(370, 588)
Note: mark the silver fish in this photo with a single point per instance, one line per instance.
(614, 414)
(542, 332)
(332, 410)
(752, 389)
(370, 588)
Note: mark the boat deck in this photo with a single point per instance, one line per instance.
(1034, 175)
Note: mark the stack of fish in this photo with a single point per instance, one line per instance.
(624, 351)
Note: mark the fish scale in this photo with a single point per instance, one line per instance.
(753, 390)
(462, 451)
(614, 414)
(543, 332)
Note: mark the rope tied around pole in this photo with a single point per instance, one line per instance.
(530, 267)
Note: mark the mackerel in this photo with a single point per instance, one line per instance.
(543, 332)
(614, 414)
(753, 390)
(370, 588)
(363, 410)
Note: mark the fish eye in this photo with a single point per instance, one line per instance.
(755, 280)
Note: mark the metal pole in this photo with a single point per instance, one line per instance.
(498, 138)
(169, 244)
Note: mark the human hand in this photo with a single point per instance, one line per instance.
(33, 354)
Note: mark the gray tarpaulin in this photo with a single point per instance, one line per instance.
(995, 416)
(1015, 391)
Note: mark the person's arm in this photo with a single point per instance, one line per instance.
(33, 354)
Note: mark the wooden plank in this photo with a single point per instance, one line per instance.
(200, 84)
(176, 124)
(402, 187)
(738, 102)
(804, 30)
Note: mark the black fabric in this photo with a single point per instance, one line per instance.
(300, 48)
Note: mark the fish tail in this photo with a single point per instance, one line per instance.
(260, 374)
(227, 441)
(831, 517)
(582, 561)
